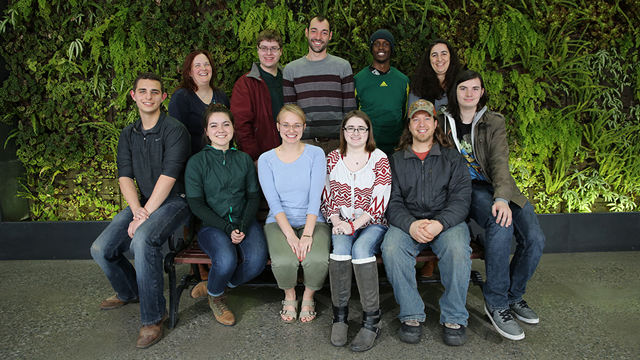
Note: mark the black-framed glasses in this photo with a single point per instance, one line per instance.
(352, 129)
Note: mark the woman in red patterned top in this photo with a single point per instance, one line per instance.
(354, 200)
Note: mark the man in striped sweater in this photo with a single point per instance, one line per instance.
(322, 85)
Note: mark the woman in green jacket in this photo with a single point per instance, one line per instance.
(222, 190)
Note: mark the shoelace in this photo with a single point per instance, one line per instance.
(522, 304)
(505, 315)
(219, 304)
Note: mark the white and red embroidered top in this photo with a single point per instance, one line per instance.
(350, 194)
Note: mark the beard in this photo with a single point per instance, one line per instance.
(312, 47)
(423, 138)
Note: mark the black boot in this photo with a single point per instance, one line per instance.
(340, 279)
(367, 280)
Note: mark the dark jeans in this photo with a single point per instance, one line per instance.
(231, 264)
(506, 282)
(146, 280)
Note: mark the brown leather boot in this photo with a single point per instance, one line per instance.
(199, 290)
(204, 272)
(114, 303)
(220, 310)
(151, 334)
(427, 269)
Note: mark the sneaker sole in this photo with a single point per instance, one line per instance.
(500, 331)
(525, 320)
(118, 306)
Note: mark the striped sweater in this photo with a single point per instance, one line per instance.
(324, 90)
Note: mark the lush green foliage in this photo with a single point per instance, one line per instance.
(563, 72)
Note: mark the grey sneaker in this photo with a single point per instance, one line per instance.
(523, 312)
(504, 324)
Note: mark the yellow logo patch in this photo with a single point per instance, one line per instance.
(384, 84)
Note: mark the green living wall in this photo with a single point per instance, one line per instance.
(563, 72)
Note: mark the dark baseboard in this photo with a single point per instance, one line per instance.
(40, 240)
(594, 232)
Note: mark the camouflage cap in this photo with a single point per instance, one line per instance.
(422, 105)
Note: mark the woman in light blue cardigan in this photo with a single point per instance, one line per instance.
(292, 179)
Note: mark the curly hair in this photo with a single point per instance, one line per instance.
(425, 83)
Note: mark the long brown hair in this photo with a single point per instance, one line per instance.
(219, 108)
(187, 81)
(406, 139)
(370, 146)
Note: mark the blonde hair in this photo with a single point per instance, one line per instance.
(292, 108)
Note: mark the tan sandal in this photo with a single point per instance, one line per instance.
(310, 312)
(293, 314)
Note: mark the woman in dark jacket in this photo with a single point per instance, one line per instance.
(222, 190)
(196, 92)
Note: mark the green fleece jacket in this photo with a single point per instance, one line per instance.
(222, 188)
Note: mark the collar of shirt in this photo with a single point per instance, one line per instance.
(375, 71)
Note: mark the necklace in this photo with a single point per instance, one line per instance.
(360, 158)
(206, 95)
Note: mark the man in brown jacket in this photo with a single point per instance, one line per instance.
(497, 204)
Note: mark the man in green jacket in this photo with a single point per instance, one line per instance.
(382, 92)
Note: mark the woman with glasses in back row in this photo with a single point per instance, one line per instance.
(354, 200)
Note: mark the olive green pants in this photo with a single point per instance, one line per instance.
(285, 263)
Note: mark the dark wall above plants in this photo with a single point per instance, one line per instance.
(564, 74)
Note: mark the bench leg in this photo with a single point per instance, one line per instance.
(173, 297)
(176, 292)
(476, 278)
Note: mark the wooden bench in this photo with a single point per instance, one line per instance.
(188, 252)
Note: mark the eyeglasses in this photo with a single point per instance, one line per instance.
(295, 127)
(359, 129)
(265, 49)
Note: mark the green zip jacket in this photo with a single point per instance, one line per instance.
(222, 188)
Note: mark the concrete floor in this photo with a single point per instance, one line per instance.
(589, 305)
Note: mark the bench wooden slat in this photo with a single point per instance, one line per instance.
(192, 254)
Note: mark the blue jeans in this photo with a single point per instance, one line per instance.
(506, 283)
(364, 243)
(146, 280)
(231, 264)
(454, 253)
